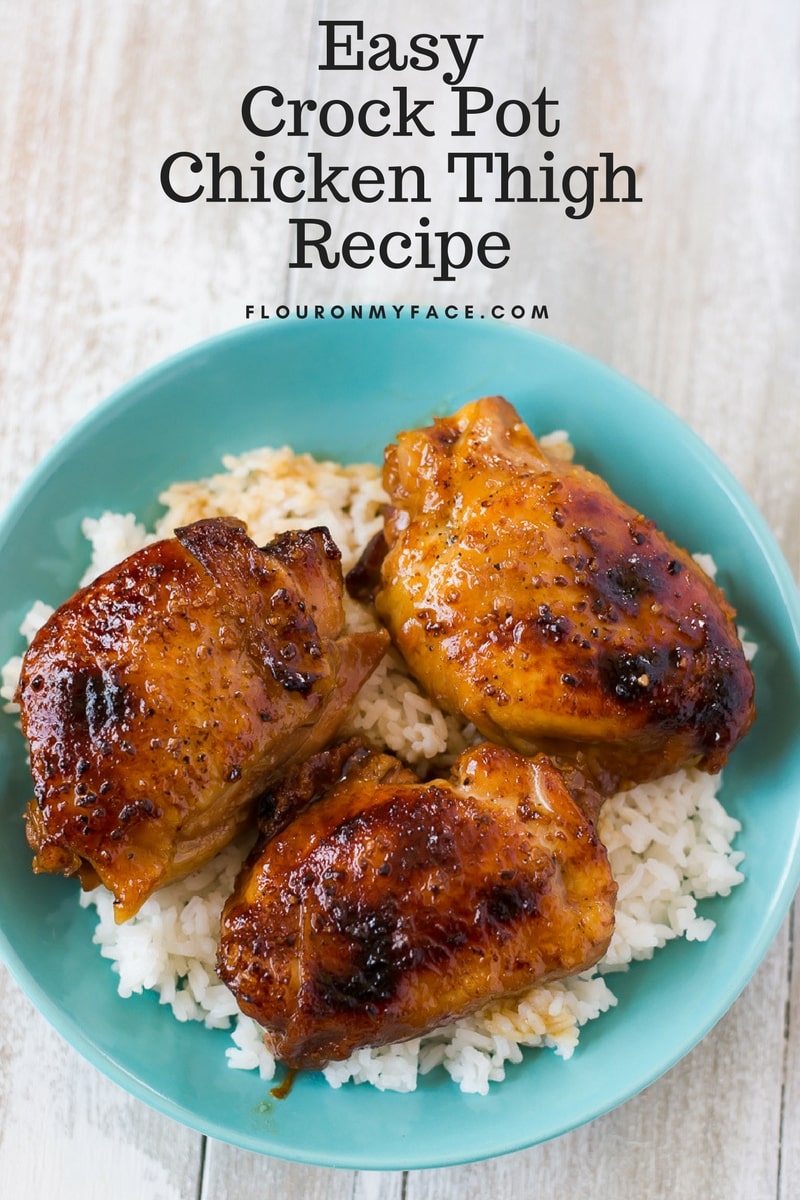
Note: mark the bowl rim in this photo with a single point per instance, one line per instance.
(127, 395)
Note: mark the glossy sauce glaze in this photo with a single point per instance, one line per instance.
(161, 699)
(523, 594)
(378, 907)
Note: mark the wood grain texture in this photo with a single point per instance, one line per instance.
(56, 1111)
(694, 294)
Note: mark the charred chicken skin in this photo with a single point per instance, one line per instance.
(378, 907)
(525, 595)
(161, 700)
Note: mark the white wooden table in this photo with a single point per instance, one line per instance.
(694, 293)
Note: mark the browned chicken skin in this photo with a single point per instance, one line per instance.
(380, 907)
(162, 699)
(526, 596)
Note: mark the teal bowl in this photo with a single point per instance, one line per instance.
(342, 389)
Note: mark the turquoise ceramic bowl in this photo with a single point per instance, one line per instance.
(343, 389)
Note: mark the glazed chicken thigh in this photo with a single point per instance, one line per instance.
(379, 907)
(523, 594)
(161, 699)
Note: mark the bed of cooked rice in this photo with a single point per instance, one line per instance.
(670, 842)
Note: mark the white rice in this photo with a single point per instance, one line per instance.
(670, 843)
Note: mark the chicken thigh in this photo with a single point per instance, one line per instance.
(379, 907)
(525, 595)
(161, 700)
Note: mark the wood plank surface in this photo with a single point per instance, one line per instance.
(694, 294)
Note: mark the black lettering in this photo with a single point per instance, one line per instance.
(423, 237)
(585, 197)
(611, 174)
(446, 262)
(524, 118)
(405, 118)
(325, 183)
(352, 244)
(277, 184)
(398, 175)
(470, 194)
(363, 178)
(417, 45)
(507, 173)
(364, 126)
(258, 171)
(297, 107)
(217, 174)
(386, 58)
(462, 62)
(549, 193)
(405, 242)
(195, 165)
(304, 242)
(347, 61)
(541, 103)
(496, 242)
(247, 111)
(444, 252)
(332, 106)
(485, 100)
